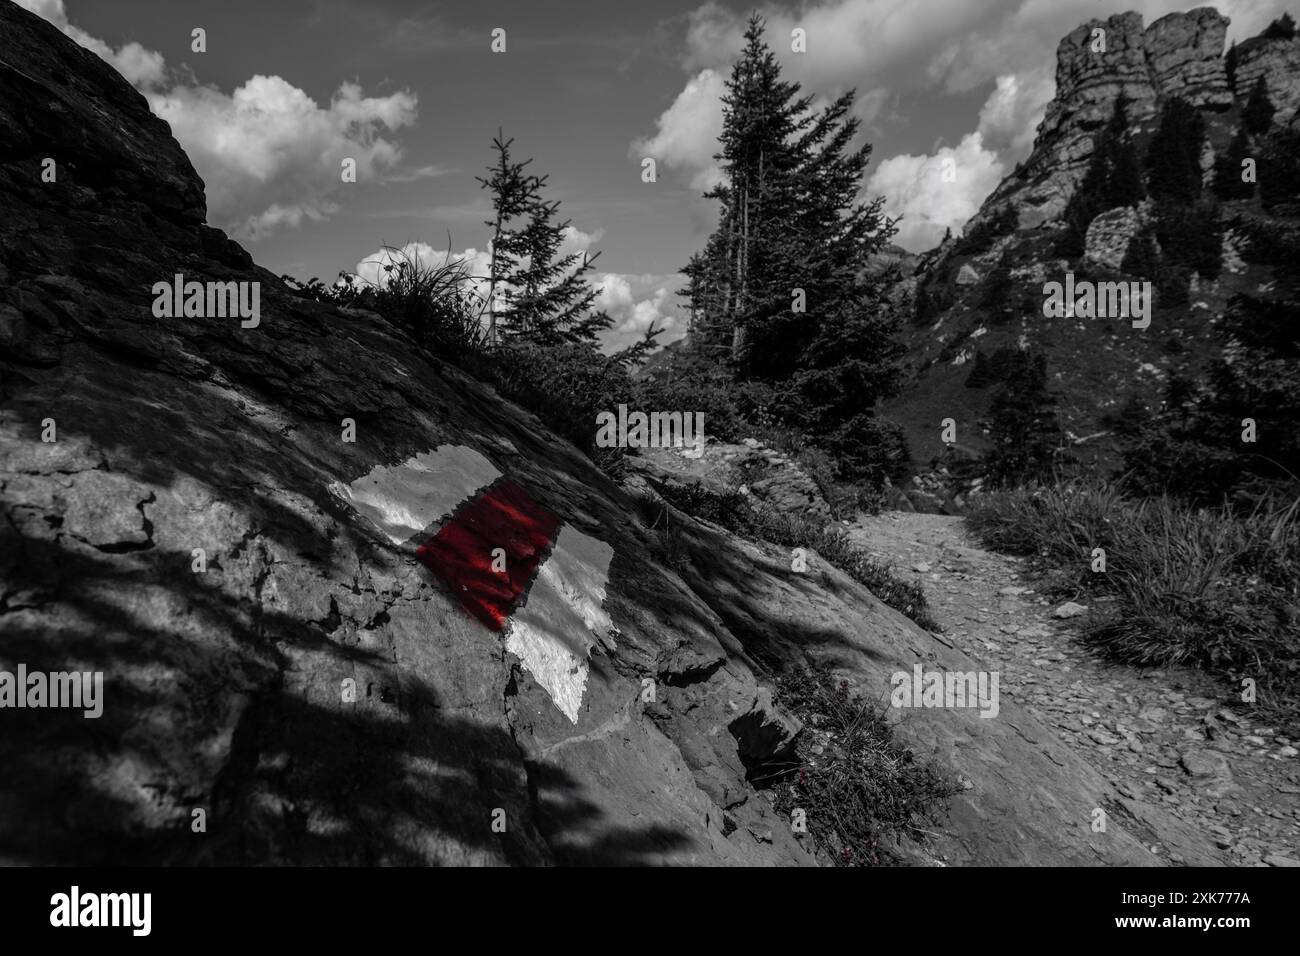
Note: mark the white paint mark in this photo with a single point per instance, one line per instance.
(553, 632)
(403, 500)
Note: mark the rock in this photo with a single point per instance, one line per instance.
(1178, 55)
(921, 567)
(1109, 235)
(1277, 859)
(967, 275)
(1205, 763)
(1068, 610)
(1277, 60)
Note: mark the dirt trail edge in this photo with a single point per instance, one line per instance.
(1161, 737)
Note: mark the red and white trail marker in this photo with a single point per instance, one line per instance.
(548, 599)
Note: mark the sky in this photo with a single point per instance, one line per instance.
(414, 93)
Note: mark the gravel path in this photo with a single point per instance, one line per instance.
(1163, 736)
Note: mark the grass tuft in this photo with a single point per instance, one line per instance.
(859, 789)
(1194, 586)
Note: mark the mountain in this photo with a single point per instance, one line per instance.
(980, 296)
(273, 536)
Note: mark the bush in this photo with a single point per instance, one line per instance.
(980, 237)
(566, 386)
(1201, 587)
(691, 382)
(732, 511)
(434, 303)
(860, 789)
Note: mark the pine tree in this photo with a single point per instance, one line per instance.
(533, 296)
(513, 193)
(1173, 158)
(1279, 162)
(1141, 258)
(1195, 447)
(1283, 28)
(789, 219)
(1230, 66)
(1023, 424)
(1257, 117)
(1228, 182)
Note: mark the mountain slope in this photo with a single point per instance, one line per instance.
(284, 682)
(983, 292)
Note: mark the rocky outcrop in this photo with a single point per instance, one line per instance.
(284, 680)
(1109, 236)
(1277, 60)
(1178, 55)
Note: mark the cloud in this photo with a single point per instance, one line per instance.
(635, 302)
(687, 132)
(922, 44)
(269, 155)
(914, 187)
(141, 67)
(1011, 114)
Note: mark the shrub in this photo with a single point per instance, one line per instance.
(860, 789)
(566, 386)
(732, 511)
(1202, 587)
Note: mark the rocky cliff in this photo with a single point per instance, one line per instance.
(1094, 366)
(1178, 55)
(246, 526)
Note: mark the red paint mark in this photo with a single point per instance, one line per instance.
(503, 517)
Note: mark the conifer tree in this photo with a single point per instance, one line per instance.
(1113, 179)
(789, 218)
(1023, 424)
(1257, 117)
(1283, 28)
(1174, 155)
(534, 294)
(1228, 182)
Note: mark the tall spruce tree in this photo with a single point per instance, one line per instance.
(782, 285)
(1173, 157)
(789, 217)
